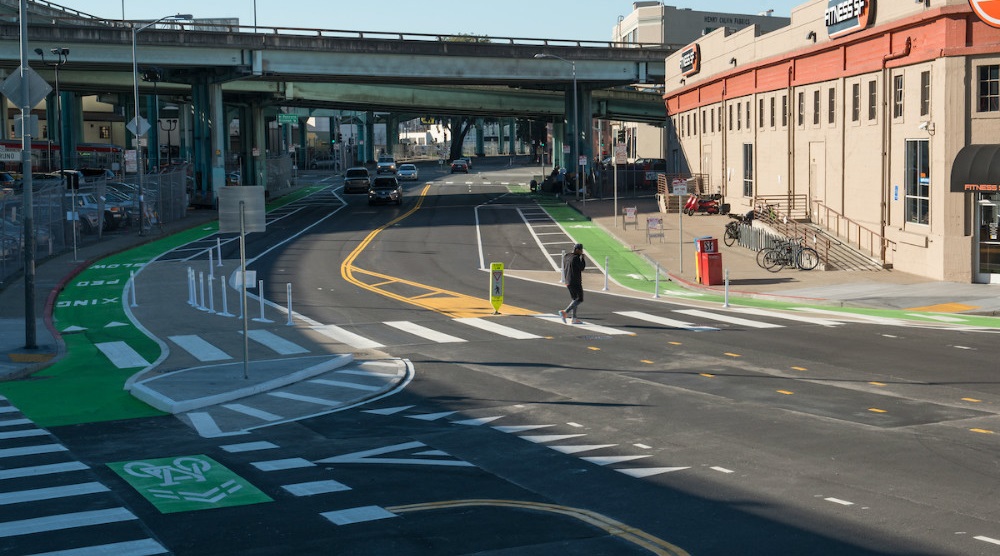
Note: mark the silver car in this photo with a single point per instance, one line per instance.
(408, 172)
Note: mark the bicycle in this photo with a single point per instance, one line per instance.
(732, 233)
(792, 252)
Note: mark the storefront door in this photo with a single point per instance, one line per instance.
(988, 207)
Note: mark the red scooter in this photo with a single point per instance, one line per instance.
(705, 203)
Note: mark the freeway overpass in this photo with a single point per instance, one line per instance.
(255, 69)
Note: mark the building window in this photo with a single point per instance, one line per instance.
(105, 132)
(918, 182)
(720, 119)
(704, 119)
(730, 117)
(712, 118)
(680, 126)
(989, 88)
(815, 107)
(695, 123)
(897, 96)
(784, 110)
(925, 93)
(802, 109)
(748, 169)
(831, 112)
(772, 112)
(872, 99)
(689, 124)
(748, 115)
(760, 113)
(855, 102)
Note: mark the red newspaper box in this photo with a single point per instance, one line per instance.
(709, 269)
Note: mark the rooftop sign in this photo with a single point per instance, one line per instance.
(844, 17)
(691, 60)
(988, 11)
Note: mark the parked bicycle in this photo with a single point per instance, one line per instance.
(732, 233)
(792, 252)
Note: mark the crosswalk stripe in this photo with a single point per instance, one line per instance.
(343, 384)
(787, 316)
(608, 460)
(23, 433)
(315, 487)
(496, 328)
(672, 323)
(31, 450)
(14, 422)
(249, 447)
(8, 409)
(301, 398)
(36, 470)
(423, 332)
(252, 412)
(122, 355)
(343, 336)
(49, 493)
(852, 316)
(587, 327)
(64, 521)
(276, 343)
(199, 348)
(144, 547)
(726, 318)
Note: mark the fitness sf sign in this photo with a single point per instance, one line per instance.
(988, 11)
(691, 60)
(844, 17)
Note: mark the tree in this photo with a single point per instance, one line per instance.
(458, 128)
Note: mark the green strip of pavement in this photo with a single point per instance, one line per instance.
(83, 386)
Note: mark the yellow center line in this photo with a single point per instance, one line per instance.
(799, 369)
(873, 383)
(876, 410)
(646, 361)
(446, 302)
(973, 400)
(733, 354)
(709, 375)
(593, 348)
(982, 431)
(785, 392)
(674, 343)
(612, 527)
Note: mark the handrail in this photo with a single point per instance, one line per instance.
(772, 216)
(795, 206)
(854, 234)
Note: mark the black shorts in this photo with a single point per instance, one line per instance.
(575, 291)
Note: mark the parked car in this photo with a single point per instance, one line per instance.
(385, 189)
(459, 165)
(324, 162)
(357, 180)
(114, 215)
(407, 172)
(386, 165)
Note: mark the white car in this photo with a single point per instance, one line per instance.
(407, 172)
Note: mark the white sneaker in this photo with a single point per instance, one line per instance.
(562, 315)
(577, 321)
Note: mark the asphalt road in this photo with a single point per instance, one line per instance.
(630, 435)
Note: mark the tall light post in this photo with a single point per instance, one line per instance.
(576, 120)
(62, 55)
(138, 130)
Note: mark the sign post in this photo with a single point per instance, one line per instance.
(680, 189)
(496, 286)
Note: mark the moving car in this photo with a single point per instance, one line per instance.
(385, 189)
(459, 165)
(357, 180)
(407, 172)
(386, 165)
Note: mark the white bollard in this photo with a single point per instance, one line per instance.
(191, 295)
(562, 261)
(656, 286)
(726, 302)
(201, 290)
(225, 298)
(131, 283)
(288, 294)
(260, 296)
(218, 245)
(211, 267)
(211, 294)
(606, 272)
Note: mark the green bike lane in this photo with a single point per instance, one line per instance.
(83, 386)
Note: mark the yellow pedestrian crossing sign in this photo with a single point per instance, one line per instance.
(496, 286)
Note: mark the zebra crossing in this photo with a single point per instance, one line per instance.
(43, 490)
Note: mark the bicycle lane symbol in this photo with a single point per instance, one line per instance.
(188, 483)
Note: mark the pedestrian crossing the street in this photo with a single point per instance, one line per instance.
(44, 490)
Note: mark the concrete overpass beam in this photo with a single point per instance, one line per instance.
(480, 139)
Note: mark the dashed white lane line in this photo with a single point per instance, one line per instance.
(357, 515)
(839, 501)
(424, 332)
(987, 539)
(282, 464)
(122, 355)
(199, 348)
(721, 469)
(315, 487)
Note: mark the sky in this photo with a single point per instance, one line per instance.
(556, 19)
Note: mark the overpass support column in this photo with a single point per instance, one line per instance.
(209, 136)
(152, 157)
(369, 138)
(70, 129)
(258, 140)
(392, 135)
(558, 140)
(585, 125)
(480, 143)
(512, 136)
(300, 148)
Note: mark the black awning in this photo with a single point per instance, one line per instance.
(976, 168)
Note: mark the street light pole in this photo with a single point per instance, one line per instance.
(62, 55)
(138, 131)
(576, 121)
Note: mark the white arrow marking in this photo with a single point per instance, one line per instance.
(541, 439)
(114, 324)
(580, 448)
(388, 410)
(521, 428)
(478, 421)
(607, 460)
(432, 416)
(649, 471)
(73, 329)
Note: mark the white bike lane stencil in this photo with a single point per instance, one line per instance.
(188, 483)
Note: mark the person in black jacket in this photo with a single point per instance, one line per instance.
(573, 265)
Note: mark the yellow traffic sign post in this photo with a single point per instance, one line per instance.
(496, 286)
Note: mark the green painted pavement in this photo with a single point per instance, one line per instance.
(188, 483)
(83, 386)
